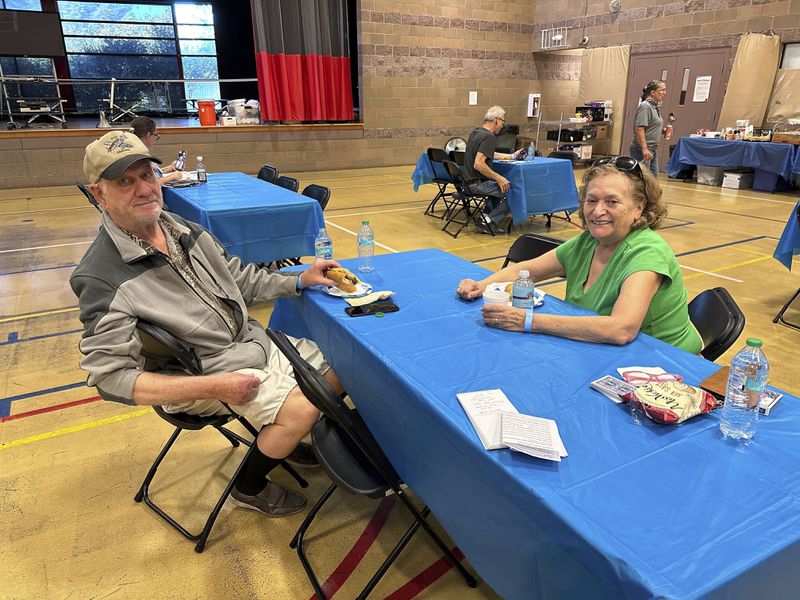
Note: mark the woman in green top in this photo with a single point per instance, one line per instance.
(618, 267)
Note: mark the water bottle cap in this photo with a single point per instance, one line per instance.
(754, 342)
(199, 158)
(365, 222)
(524, 274)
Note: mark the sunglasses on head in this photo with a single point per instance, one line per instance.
(622, 163)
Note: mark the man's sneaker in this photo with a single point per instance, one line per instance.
(303, 456)
(273, 501)
(488, 228)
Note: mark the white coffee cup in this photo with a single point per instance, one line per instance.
(495, 297)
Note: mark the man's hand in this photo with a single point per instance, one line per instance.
(648, 156)
(315, 274)
(504, 317)
(503, 183)
(469, 289)
(235, 388)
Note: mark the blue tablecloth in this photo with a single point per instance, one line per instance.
(540, 187)
(774, 158)
(253, 219)
(632, 512)
(789, 244)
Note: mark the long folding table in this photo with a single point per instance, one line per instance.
(646, 511)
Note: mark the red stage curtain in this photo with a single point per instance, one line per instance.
(302, 60)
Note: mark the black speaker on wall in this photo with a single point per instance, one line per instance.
(30, 33)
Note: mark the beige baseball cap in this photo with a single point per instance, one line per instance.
(109, 156)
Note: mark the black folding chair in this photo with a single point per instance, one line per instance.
(572, 158)
(161, 351)
(779, 317)
(441, 178)
(89, 196)
(471, 205)
(320, 193)
(290, 183)
(355, 463)
(530, 245)
(457, 157)
(268, 173)
(718, 320)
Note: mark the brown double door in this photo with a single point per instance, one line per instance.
(694, 92)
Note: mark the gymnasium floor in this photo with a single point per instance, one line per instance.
(70, 464)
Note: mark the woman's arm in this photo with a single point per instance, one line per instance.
(540, 268)
(620, 327)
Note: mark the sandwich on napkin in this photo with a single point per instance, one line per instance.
(345, 280)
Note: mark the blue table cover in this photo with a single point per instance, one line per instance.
(632, 512)
(789, 244)
(253, 219)
(780, 159)
(540, 187)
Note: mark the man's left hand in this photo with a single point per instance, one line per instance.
(315, 274)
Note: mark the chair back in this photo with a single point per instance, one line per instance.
(570, 156)
(718, 320)
(290, 183)
(89, 196)
(530, 245)
(455, 176)
(268, 173)
(162, 350)
(437, 156)
(320, 193)
(319, 392)
(457, 157)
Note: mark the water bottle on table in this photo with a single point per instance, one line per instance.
(522, 292)
(323, 246)
(746, 380)
(531, 153)
(202, 176)
(366, 248)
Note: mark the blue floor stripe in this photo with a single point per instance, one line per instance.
(13, 337)
(41, 269)
(5, 403)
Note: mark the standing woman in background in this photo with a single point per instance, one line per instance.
(145, 129)
(648, 126)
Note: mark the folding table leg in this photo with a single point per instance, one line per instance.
(779, 316)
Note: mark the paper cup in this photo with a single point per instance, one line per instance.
(495, 297)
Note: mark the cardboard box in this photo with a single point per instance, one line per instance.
(585, 151)
(788, 137)
(738, 180)
(602, 132)
(710, 175)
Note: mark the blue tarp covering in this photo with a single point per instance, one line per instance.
(633, 512)
(789, 244)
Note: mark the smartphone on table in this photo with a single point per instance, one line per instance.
(381, 306)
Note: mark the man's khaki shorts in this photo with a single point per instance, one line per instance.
(277, 381)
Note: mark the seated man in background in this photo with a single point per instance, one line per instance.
(149, 264)
(478, 174)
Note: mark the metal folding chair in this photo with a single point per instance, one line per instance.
(718, 320)
(471, 205)
(442, 180)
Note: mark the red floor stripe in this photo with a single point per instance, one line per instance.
(359, 549)
(47, 409)
(425, 579)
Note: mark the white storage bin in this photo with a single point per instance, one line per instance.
(710, 175)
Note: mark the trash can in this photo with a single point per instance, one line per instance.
(207, 113)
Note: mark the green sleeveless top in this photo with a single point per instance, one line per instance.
(667, 317)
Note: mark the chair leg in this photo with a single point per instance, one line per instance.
(145, 487)
(297, 541)
(549, 217)
(228, 436)
(471, 582)
(463, 208)
(392, 556)
(429, 212)
(779, 316)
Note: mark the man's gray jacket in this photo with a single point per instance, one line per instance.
(117, 283)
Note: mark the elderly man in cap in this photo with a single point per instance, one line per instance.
(152, 265)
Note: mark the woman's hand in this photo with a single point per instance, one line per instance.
(504, 317)
(469, 289)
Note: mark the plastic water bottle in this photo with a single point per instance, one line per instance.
(323, 246)
(746, 380)
(366, 248)
(523, 291)
(202, 176)
(531, 153)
